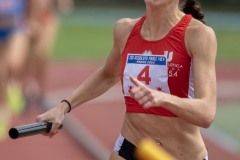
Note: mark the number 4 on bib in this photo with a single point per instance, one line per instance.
(144, 75)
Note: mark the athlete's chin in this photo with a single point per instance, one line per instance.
(157, 3)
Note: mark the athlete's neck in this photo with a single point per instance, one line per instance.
(160, 21)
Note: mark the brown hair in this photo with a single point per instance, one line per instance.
(194, 8)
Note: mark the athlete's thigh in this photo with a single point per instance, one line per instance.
(46, 40)
(115, 156)
(17, 49)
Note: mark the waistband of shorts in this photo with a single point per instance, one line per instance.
(126, 149)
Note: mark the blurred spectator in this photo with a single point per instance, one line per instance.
(44, 27)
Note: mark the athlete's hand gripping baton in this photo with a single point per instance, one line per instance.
(30, 129)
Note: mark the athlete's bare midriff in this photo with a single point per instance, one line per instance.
(181, 139)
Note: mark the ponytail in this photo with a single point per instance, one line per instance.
(194, 8)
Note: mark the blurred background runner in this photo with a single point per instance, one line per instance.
(13, 52)
(44, 24)
(28, 29)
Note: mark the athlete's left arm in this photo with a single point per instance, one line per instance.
(200, 111)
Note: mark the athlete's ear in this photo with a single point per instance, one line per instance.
(136, 82)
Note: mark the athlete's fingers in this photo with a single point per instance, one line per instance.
(148, 104)
(139, 86)
(142, 94)
(136, 82)
(42, 118)
(137, 93)
(55, 124)
(55, 129)
(143, 100)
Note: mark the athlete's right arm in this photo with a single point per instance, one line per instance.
(97, 83)
(108, 75)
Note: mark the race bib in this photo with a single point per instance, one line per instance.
(151, 70)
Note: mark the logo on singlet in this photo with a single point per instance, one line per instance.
(169, 55)
(147, 52)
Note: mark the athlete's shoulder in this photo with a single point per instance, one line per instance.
(199, 29)
(122, 30)
(124, 26)
(126, 22)
(199, 34)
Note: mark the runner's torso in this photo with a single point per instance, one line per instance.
(162, 65)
